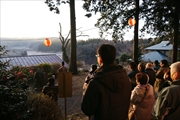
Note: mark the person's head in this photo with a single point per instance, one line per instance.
(62, 63)
(156, 63)
(141, 67)
(51, 81)
(167, 76)
(163, 63)
(93, 67)
(141, 78)
(149, 65)
(175, 71)
(133, 65)
(106, 54)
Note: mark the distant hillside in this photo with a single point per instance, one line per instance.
(27, 43)
(86, 50)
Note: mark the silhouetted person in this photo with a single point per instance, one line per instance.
(141, 67)
(50, 89)
(62, 68)
(160, 75)
(107, 96)
(149, 70)
(132, 73)
(90, 75)
(156, 65)
(167, 106)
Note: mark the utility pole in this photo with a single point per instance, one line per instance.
(135, 45)
(73, 61)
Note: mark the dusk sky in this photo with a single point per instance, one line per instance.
(33, 19)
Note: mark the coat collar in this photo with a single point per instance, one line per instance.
(176, 82)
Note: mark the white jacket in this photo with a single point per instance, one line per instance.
(145, 107)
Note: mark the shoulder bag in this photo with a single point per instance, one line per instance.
(132, 112)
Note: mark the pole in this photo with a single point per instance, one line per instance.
(73, 60)
(64, 90)
(135, 54)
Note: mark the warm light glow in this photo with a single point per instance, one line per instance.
(132, 22)
(47, 42)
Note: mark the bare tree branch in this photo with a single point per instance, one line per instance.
(81, 33)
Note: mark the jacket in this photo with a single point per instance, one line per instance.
(132, 75)
(168, 99)
(51, 91)
(159, 78)
(108, 94)
(152, 75)
(145, 106)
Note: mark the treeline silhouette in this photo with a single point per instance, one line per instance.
(86, 49)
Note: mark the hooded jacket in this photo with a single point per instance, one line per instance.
(108, 94)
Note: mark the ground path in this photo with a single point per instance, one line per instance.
(73, 104)
(73, 107)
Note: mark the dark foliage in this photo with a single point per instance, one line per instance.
(15, 89)
(159, 16)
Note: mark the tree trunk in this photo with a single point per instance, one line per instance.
(176, 32)
(64, 54)
(65, 57)
(73, 63)
(135, 45)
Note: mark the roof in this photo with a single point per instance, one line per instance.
(164, 45)
(155, 55)
(32, 60)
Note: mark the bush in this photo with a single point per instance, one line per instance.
(55, 67)
(44, 108)
(45, 67)
(16, 102)
(14, 91)
(13, 101)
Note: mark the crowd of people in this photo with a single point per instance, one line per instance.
(149, 91)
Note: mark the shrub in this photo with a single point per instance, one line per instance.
(13, 92)
(55, 67)
(13, 101)
(45, 67)
(44, 108)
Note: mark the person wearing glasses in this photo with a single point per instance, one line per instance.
(107, 96)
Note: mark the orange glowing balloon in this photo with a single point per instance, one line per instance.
(132, 21)
(47, 42)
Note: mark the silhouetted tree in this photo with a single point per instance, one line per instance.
(53, 7)
(65, 43)
(162, 19)
(124, 57)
